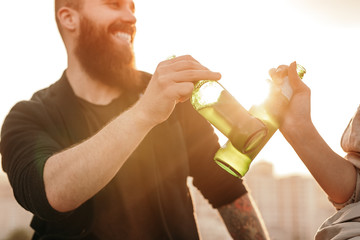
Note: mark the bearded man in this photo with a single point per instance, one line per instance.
(105, 152)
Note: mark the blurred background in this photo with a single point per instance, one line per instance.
(242, 40)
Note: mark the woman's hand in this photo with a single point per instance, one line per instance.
(298, 113)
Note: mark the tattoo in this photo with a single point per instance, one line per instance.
(242, 220)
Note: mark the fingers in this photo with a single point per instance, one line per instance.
(184, 69)
(296, 83)
(174, 78)
(195, 75)
(180, 58)
(278, 74)
(272, 72)
(181, 63)
(184, 91)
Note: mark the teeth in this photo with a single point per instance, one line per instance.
(124, 36)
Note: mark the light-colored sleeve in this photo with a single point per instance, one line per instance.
(350, 143)
(350, 140)
(355, 196)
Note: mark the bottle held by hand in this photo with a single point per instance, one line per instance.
(225, 113)
(270, 113)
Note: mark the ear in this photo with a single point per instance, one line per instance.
(68, 18)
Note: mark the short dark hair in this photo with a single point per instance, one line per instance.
(76, 4)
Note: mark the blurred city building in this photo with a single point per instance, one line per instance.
(14, 220)
(293, 207)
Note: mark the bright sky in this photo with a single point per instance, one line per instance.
(241, 39)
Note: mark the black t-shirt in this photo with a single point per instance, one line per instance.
(147, 199)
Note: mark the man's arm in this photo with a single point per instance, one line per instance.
(243, 219)
(76, 174)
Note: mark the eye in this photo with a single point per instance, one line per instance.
(114, 4)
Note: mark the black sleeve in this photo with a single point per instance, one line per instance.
(25, 146)
(217, 185)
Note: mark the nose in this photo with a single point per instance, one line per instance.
(128, 15)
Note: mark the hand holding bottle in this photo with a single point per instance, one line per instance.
(297, 114)
(336, 176)
(271, 113)
(171, 83)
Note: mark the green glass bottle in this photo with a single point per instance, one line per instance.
(270, 112)
(225, 113)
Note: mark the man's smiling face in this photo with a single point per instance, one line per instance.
(105, 42)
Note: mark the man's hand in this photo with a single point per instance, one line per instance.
(172, 82)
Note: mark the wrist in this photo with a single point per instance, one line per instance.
(142, 115)
(296, 133)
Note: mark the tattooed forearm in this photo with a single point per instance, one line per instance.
(243, 221)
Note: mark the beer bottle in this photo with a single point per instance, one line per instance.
(225, 113)
(270, 112)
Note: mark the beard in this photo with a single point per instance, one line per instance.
(103, 59)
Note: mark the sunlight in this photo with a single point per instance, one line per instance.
(240, 39)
